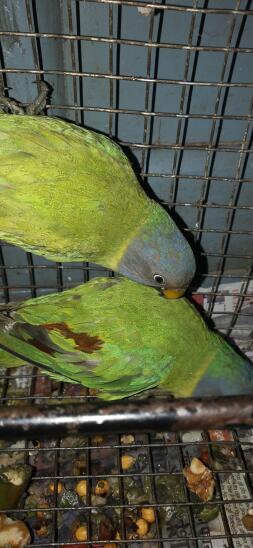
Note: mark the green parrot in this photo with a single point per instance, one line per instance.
(121, 338)
(70, 194)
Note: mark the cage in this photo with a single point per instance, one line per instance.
(172, 82)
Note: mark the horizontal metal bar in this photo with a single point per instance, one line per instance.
(148, 541)
(187, 146)
(147, 113)
(165, 444)
(61, 266)
(125, 77)
(134, 474)
(172, 7)
(232, 313)
(122, 41)
(218, 231)
(197, 177)
(226, 255)
(207, 206)
(54, 421)
(183, 504)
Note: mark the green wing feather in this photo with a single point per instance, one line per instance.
(121, 338)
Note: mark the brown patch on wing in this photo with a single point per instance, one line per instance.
(41, 346)
(86, 343)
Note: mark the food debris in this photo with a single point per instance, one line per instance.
(41, 530)
(200, 479)
(223, 435)
(81, 488)
(97, 440)
(148, 514)
(142, 527)
(13, 483)
(52, 487)
(248, 520)
(13, 534)
(127, 461)
(102, 488)
(78, 468)
(145, 11)
(40, 514)
(127, 439)
(81, 533)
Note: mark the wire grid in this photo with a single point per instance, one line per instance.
(155, 479)
(38, 275)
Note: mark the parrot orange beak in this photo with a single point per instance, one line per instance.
(173, 293)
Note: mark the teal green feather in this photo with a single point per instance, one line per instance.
(121, 338)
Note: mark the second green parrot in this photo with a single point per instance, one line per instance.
(121, 338)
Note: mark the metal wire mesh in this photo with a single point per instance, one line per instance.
(175, 91)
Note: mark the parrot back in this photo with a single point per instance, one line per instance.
(49, 166)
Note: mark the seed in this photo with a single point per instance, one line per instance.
(102, 487)
(127, 461)
(36, 444)
(42, 530)
(81, 533)
(40, 514)
(197, 467)
(52, 487)
(142, 527)
(127, 439)
(148, 514)
(96, 440)
(81, 488)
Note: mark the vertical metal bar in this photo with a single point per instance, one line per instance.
(80, 61)
(73, 57)
(111, 83)
(187, 498)
(3, 271)
(117, 68)
(4, 277)
(81, 99)
(89, 486)
(178, 155)
(121, 492)
(3, 75)
(147, 89)
(33, 27)
(153, 490)
(219, 491)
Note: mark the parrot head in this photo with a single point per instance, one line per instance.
(160, 256)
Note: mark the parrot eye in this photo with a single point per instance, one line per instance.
(158, 279)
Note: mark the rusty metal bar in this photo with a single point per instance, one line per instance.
(126, 77)
(172, 7)
(125, 41)
(31, 421)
